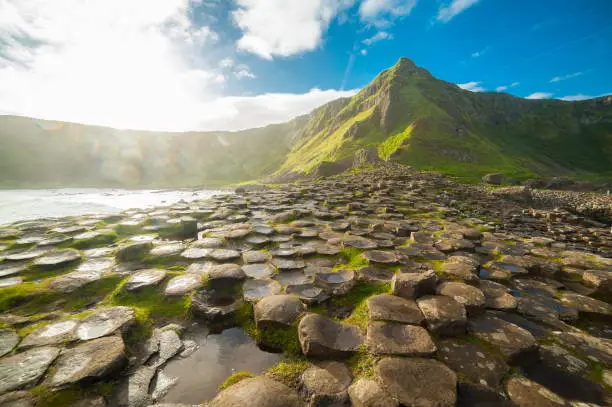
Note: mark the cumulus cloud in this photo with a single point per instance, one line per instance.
(449, 11)
(284, 27)
(379, 36)
(472, 86)
(380, 12)
(574, 98)
(540, 95)
(566, 77)
(243, 72)
(506, 87)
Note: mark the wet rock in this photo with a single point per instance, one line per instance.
(184, 284)
(587, 305)
(255, 290)
(321, 337)
(525, 393)
(134, 392)
(326, 384)
(414, 285)
(225, 254)
(258, 391)
(133, 251)
(308, 293)
(368, 393)
(443, 315)
(417, 382)
(286, 264)
(24, 369)
(471, 297)
(513, 342)
(58, 259)
(8, 340)
(96, 358)
(169, 345)
(278, 311)
(258, 270)
(472, 362)
(144, 278)
(596, 349)
(497, 296)
(104, 322)
(336, 283)
(53, 334)
(374, 275)
(398, 339)
(214, 305)
(385, 307)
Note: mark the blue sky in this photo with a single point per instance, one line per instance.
(232, 64)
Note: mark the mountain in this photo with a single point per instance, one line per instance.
(404, 115)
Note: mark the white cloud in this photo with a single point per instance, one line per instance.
(506, 87)
(364, 52)
(379, 36)
(446, 13)
(540, 95)
(574, 98)
(566, 77)
(244, 72)
(284, 27)
(472, 86)
(380, 11)
(226, 63)
(220, 78)
(480, 53)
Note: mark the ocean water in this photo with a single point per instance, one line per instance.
(24, 204)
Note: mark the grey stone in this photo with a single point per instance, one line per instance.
(255, 256)
(133, 251)
(225, 254)
(526, 393)
(471, 297)
(225, 274)
(443, 315)
(321, 337)
(183, 284)
(278, 311)
(593, 348)
(374, 275)
(71, 281)
(10, 269)
(385, 338)
(308, 293)
(255, 290)
(368, 393)
(58, 259)
(197, 253)
(8, 340)
(287, 264)
(165, 251)
(336, 283)
(17, 399)
(24, 369)
(417, 382)
(512, 341)
(497, 296)
(134, 392)
(10, 282)
(557, 357)
(381, 257)
(385, 307)
(258, 391)
(53, 334)
(414, 285)
(92, 359)
(587, 305)
(104, 322)
(258, 270)
(144, 278)
(326, 384)
(214, 305)
(169, 345)
(162, 384)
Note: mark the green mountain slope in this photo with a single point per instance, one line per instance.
(404, 115)
(409, 116)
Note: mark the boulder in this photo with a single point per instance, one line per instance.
(368, 393)
(321, 337)
(385, 307)
(326, 384)
(471, 297)
(104, 322)
(8, 340)
(375, 275)
(17, 399)
(183, 284)
(133, 251)
(92, 359)
(215, 305)
(278, 311)
(497, 296)
(255, 290)
(414, 285)
(417, 382)
(493, 179)
(385, 338)
(134, 392)
(225, 274)
(443, 315)
(336, 283)
(144, 278)
(587, 305)
(513, 342)
(596, 349)
(526, 393)
(53, 334)
(257, 391)
(24, 369)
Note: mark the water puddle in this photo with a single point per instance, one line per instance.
(218, 357)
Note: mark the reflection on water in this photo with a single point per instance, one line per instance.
(218, 357)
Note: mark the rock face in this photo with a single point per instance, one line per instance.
(443, 315)
(368, 393)
(25, 369)
(214, 305)
(104, 322)
(96, 358)
(278, 311)
(385, 307)
(258, 391)
(414, 285)
(417, 382)
(52, 334)
(326, 384)
(399, 339)
(8, 340)
(512, 341)
(321, 337)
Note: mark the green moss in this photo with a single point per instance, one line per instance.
(357, 297)
(288, 371)
(103, 239)
(392, 143)
(285, 339)
(353, 259)
(233, 379)
(362, 364)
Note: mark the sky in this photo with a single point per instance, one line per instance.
(181, 65)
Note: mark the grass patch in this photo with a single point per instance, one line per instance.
(288, 371)
(46, 397)
(362, 364)
(285, 339)
(353, 259)
(392, 143)
(233, 379)
(357, 297)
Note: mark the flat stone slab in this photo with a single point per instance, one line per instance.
(208, 243)
(255, 290)
(184, 284)
(336, 283)
(254, 256)
(104, 322)
(167, 250)
(26, 368)
(381, 257)
(8, 340)
(309, 293)
(374, 275)
(258, 391)
(133, 251)
(385, 307)
(58, 259)
(414, 285)
(144, 278)
(7, 270)
(443, 315)
(69, 282)
(385, 338)
(99, 265)
(587, 305)
(458, 268)
(214, 305)
(226, 273)
(224, 254)
(278, 311)
(497, 296)
(368, 393)
(558, 357)
(326, 383)
(10, 282)
(321, 337)
(53, 334)
(417, 382)
(134, 392)
(526, 393)
(287, 264)
(258, 270)
(91, 359)
(593, 348)
(543, 306)
(511, 340)
(471, 297)
(473, 362)
(197, 253)
(27, 255)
